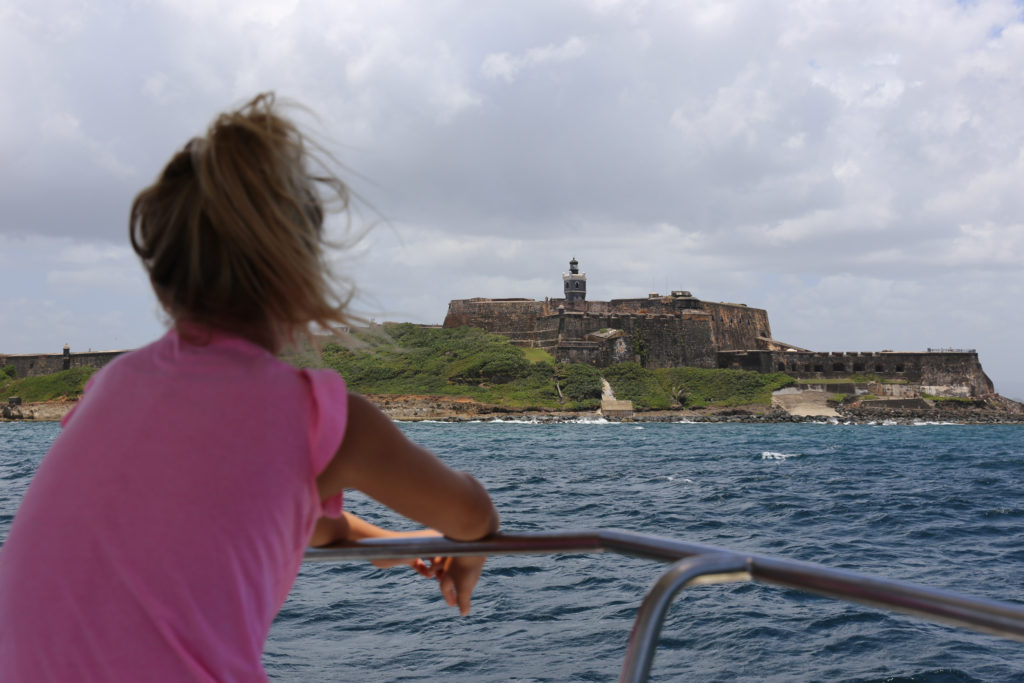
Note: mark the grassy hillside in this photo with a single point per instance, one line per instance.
(64, 384)
(408, 359)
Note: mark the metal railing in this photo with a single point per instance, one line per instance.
(698, 564)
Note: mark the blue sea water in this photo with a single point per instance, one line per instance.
(935, 504)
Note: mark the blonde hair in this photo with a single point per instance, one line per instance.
(232, 232)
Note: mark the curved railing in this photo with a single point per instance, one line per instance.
(693, 564)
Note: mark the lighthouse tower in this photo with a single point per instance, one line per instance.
(575, 282)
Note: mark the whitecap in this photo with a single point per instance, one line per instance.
(774, 455)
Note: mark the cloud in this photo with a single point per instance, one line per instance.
(506, 66)
(843, 164)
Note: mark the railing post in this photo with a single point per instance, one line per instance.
(701, 569)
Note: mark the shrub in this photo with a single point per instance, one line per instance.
(630, 382)
(702, 387)
(580, 383)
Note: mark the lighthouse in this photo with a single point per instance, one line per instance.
(575, 282)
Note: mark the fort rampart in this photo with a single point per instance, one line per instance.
(658, 331)
(942, 370)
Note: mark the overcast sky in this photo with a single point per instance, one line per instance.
(856, 168)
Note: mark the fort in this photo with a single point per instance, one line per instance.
(678, 329)
(660, 331)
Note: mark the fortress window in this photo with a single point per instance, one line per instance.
(879, 368)
(899, 368)
(807, 368)
(782, 367)
(838, 367)
(858, 367)
(819, 368)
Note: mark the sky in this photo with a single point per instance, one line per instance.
(854, 167)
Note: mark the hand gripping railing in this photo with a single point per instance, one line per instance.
(695, 564)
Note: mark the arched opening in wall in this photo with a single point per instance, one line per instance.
(838, 367)
(879, 368)
(858, 367)
(807, 368)
(819, 368)
(793, 367)
(782, 367)
(899, 368)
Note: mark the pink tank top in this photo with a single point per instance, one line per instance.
(166, 525)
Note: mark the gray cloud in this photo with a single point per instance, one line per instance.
(778, 153)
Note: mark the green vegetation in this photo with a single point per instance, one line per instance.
(631, 382)
(63, 384)
(581, 384)
(948, 399)
(408, 359)
(468, 362)
(701, 387)
(8, 371)
(538, 356)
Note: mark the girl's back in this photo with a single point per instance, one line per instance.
(165, 527)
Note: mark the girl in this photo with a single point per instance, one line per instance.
(166, 525)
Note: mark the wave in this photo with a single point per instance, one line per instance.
(775, 455)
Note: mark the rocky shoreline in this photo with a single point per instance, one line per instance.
(997, 410)
(412, 408)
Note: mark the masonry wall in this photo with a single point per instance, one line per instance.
(514, 318)
(660, 341)
(733, 326)
(34, 365)
(737, 327)
(928, 368)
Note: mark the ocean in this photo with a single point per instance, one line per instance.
(936, 504)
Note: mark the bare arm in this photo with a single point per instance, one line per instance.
(350, 527)
(377, 459)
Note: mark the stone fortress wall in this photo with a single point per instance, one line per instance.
(681, 330)
(35, 364)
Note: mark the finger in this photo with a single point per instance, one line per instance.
(422, 568)
(463, 601)
(443, 564)
(448, 590)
